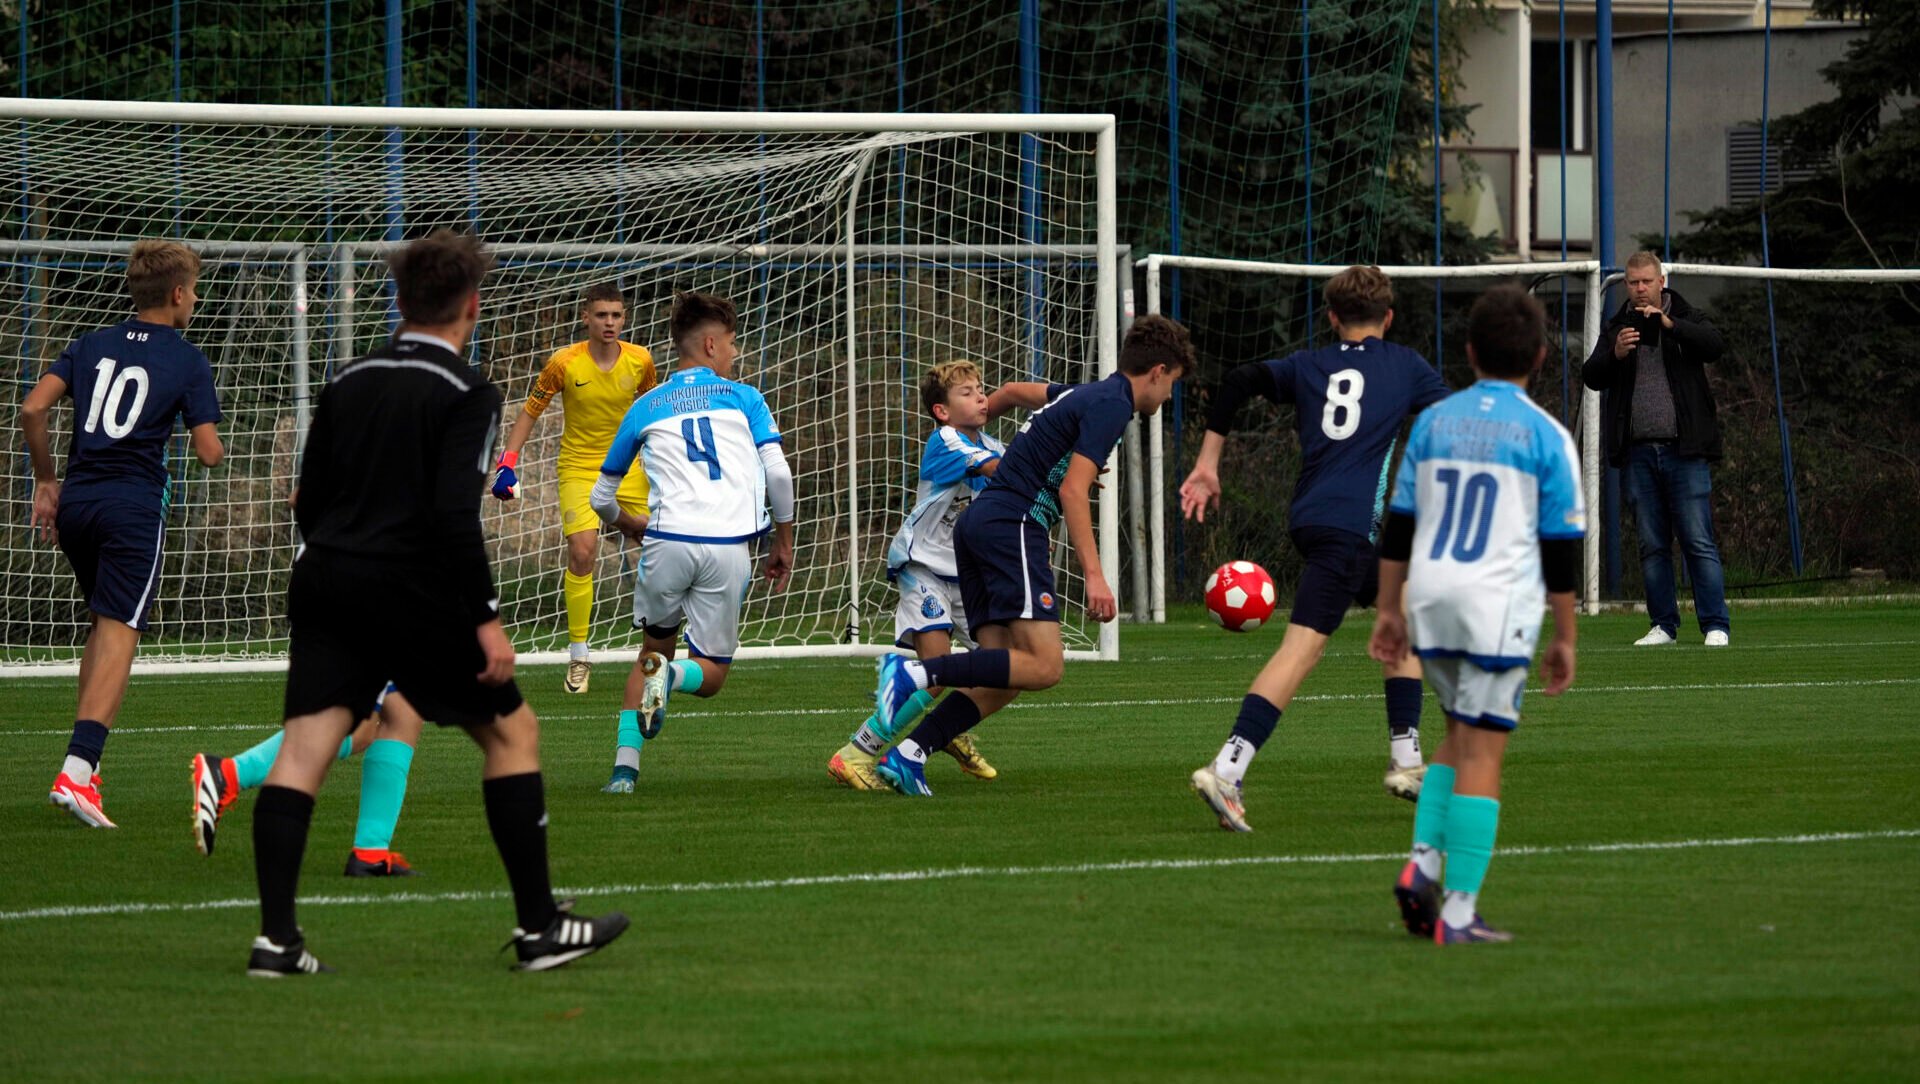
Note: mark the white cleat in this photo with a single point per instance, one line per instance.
(1655, 637)
(653, 694)
(1223, 798)
(1405, 782)
(1717, 638)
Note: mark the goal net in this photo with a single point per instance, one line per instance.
(861, 249)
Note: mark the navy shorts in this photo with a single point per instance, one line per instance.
(358, 624)
(1341, 571)
(114, 547)
(1006, 569)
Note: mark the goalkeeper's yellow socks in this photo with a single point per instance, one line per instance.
(578, 591)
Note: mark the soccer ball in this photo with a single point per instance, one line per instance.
(1240, 596)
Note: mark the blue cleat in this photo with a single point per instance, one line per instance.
(891, 693)
(1476, 932)
(1419, 899)
(622, 781)
(906, 776)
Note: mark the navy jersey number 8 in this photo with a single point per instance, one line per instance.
(700, 446)
(1474, 518)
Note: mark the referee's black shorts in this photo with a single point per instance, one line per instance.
(358, 624)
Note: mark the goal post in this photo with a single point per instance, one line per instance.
(1585, 272)
(861, 249)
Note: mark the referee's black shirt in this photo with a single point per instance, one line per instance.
(396, 465)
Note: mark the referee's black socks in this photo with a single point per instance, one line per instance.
(517, 814)
(281, 817)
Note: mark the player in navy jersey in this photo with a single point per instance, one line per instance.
(130, 383)
(1349, 400)
(1001, 547)
(1484, 532)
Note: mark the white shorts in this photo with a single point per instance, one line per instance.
(700, 582)
(928, 604)
(1475, 695)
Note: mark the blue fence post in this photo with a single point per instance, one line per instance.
(1173, 248)
(1603, 249)
(1030, 184)
(1306, 145)
(473, 102)
(1666, 155)
(396, 141)
(1566, 382)
(1439, 226)
(1773, 330)
(28, 268)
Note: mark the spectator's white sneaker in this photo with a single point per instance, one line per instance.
(1717, 638)
(1655, 637)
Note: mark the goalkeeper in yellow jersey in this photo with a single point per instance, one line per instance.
(596, 381)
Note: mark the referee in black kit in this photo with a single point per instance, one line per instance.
(393, 584)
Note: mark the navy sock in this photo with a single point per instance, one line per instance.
(517, 815)
(88, 742)
(1257, 719)
(953, 716)
(970, 670)
(1403, 706)
(281, 816)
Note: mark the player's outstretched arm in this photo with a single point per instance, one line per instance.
(1025, 394)
(1076, 506)
(46, 483)
(1201, 490)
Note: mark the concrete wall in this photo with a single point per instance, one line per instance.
(1716, 81)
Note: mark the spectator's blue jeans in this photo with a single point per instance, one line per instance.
(1673, 494)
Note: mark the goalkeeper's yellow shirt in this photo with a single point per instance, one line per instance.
(594, 401)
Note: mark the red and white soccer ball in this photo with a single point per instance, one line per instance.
(1240, 596)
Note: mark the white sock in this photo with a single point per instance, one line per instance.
(917, 672)
(1231, 762)
(1459, 909)
(912, 751)
(1406, 751)
(626, 756)
(1428, 860)
(77, 769)
(578, 651)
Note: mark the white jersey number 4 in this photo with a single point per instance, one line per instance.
(1341, 417)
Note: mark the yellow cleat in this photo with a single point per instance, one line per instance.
(579, 672)
(963, 750)
(851, 767)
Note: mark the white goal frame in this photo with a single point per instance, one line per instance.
(1105, 254)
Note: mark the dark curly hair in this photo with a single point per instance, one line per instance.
(1156, 340)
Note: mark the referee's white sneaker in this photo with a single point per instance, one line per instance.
(1655, 637)
(1717, 638)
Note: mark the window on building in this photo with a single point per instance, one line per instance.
(1744, 162)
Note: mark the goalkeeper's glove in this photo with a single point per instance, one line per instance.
(506, 484)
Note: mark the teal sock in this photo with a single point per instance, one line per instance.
(686, 676)
(1472, 823)
(383, 790)
(626, 753)
(1430, 815)
(253, 765)
(346, 747)
(909, 714)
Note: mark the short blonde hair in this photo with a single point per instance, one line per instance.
(155, 267)
(943, 378)
(1646, 257)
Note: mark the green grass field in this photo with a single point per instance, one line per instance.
(1709, 860)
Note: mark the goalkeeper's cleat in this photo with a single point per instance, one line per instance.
(216, 783)
(1405, 782)
(892, 690)
(653, 694)
(855, 767)
(568, 938)
(622, 781)
(909, 777)
(967, 753)
(80, 799)
(579, 672)
(271, 961)
(1419, 899)
(1655, 637)
(1476, 932)
(1223, 798)
(365, 863)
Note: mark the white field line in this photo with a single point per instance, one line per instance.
(1046, 704)
(953, 873)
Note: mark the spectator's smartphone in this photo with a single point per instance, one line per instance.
(1648, 325)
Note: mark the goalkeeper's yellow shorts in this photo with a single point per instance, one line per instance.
(576, 504)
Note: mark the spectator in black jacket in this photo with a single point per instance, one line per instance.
(1661, 429)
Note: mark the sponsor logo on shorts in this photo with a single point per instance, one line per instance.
(930, 606)
(1046, 600)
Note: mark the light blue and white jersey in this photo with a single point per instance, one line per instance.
(949, 477)
(1487, 475)
(698, 436)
